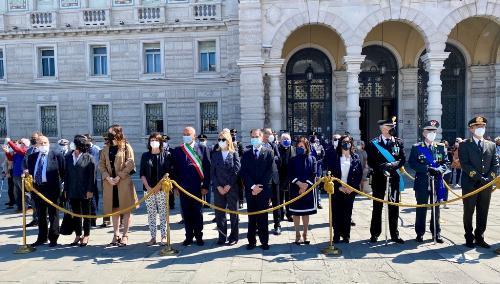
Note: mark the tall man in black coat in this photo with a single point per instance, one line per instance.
(287, 152)
(388, 165)
(47, 168)
(268, 141)
(256, 170)
(480, 164)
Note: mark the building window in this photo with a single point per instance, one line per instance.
(3, 122)
(154, 118)
(99, 61)
(207, 56)
(100, 119)
(48, 120)
(2, 73)
(152, 58)
(209, 117)
(47, 63)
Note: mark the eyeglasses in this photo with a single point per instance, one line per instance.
(221, 139)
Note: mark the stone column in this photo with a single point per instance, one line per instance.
(353, 65)
(250, 64)
(408, 115)
(273, 70)
(434, 64)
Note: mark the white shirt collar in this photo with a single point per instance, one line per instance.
(192, 144)
(257, 148)
(476, 140)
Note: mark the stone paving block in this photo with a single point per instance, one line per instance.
(277, 276)
(241, 276)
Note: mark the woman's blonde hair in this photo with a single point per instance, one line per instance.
(229, 140)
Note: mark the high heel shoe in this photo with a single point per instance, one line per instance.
(306, 242)
(76, 241)
(151, 242)
(84, 243)
(297, 240)
(124, 241)
(116, 240)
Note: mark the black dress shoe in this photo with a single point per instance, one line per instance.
(265, 246)
(277, 231)
(199, 242)
(32, 224)
(345, 240)
(187, 242)
(250, 246)
(439, 240)
(373, 239)
(398, 240)
(483, 244)
(470, 244)
(419, 239)
(232, 242)
(336, 239)
(38, 243)
(53, 244)
(181, 222)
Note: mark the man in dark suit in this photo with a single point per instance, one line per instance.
(428, 159)
(268, 142)
(47, 168)
(479, 164)
(191, 163)
(256, 171)
(385, 156)
(287, 151)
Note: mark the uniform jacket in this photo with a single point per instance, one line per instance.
(376, 159)
(419, 163)
(476, 164)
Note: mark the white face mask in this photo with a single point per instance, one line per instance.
(72, 146)
(431, 136)
(271, 138)
(223, 145)
(187, 139)
(204, 143)
(165, 145)
(154, 144)
(44, 149)
(480, 131)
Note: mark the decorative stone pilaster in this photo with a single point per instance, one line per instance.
(434, 64)
(353, 64)
(497, 98)
(273, 70)
(408, 115)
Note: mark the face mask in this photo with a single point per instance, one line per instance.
(335, 143)
(165, 145)
(44, 149)
(111, 137)
(358, 147)
(300, 151)
(480, 131)
(223, 144)
(286, 143)
(33, 141)
(255, 142)
(154, 144)
(271, 138)
(204, 143)
(72, 146)
(346, 146)
(187, 139)
(431, 136)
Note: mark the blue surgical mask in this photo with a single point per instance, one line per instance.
(286, 143)
(187, 139)
(255, 142)
(300, 151)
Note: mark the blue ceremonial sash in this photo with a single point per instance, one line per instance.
(388, 156)
(441, 191)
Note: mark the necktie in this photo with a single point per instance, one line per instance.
(387, 141)
(39, 170)
(255, 151)
(480, 146)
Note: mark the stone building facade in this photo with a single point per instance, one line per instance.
(72, 66)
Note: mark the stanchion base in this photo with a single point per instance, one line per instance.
(24, 249)
(168, 251)
(331, 251)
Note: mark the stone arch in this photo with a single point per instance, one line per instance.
(391, 48)
(327, 19)
(407, 15)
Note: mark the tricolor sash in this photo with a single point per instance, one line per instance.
(195, 159)
(388, 156)
(441, 191)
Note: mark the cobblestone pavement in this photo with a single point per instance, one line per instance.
(361, 261)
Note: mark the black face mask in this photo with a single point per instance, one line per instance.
(33, 141)
(346, 145)
(111, 137)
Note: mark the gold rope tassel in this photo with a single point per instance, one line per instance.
(167, 187)
(24, 248)
(331, 250)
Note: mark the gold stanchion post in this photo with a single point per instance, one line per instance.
(167, 186)
(331, 250)
(24, 248)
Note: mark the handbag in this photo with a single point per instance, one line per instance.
(66, 227)
(133, 171)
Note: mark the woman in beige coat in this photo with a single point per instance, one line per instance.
(116, 164)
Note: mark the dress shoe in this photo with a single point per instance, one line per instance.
(439, 240)
(38, 243)
(470, 244)
(32, 224)
(265, 246)
(214, 220)
(345, 240)
(373, 239)
(232, 242)
(250, 246)
(483, 244)
(398, 240)
(199, 242)
(277, 231)
(419, 239)
(52, 244)
(181, 222)
(187, 242)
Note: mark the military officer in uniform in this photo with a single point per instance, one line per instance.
(385, 156)
(479, 164)
(428, 159)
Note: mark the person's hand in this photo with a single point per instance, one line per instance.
(89, 195)
(204, 191)
(257, 189)
(111, 181)
(433, 171)
(347, 190)
(221, 190)
(5, 149)
(117, 180)
(227, 188)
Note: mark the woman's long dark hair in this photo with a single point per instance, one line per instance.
(82, 143)
(119, 137)
(339, 146)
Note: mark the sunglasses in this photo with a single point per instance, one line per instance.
(221, 139)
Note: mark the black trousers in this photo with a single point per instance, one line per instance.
(481, 203)
(171, 200)
(425, 196)
(193, 217)
(229, 201)
(81, 206)
(276, 199)
(342, 212)
(44, 231)
(285, 191)
(258, 223)
(378, 187)
(10, 190)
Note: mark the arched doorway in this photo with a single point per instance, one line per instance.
(378, 84)
(308, 93)
(452, 94)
